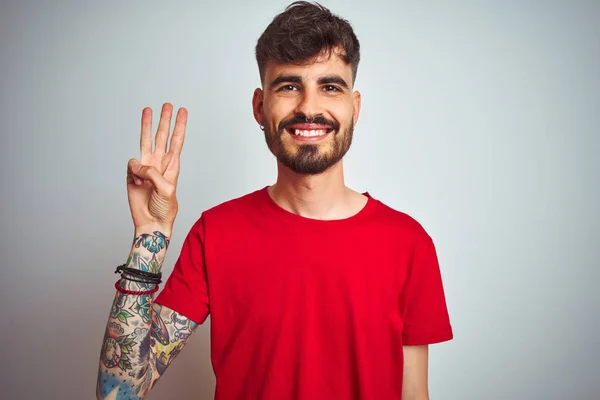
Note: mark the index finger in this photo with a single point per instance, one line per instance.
(178, 132)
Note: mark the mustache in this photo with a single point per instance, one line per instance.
(302, 119)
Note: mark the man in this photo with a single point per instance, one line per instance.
(315, 291)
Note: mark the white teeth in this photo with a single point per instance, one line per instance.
(309, 133)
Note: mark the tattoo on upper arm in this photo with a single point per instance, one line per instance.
(171, 335)
(159, 330)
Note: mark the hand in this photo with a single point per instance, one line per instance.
(151, 182)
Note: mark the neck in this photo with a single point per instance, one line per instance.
(323, 196)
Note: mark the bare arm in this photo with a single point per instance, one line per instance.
(142, 339)
(414, 385)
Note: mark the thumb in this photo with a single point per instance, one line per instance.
(147, 172)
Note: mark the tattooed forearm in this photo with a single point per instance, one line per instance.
(125, 336)
(141, 338)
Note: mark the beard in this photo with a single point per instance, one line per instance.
(308, 158)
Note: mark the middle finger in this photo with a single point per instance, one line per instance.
(164, 127)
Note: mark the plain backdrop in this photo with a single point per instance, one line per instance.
(480, 119)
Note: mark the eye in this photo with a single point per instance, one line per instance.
(287, 88)
(331, 88)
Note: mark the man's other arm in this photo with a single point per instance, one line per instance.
(414, 379)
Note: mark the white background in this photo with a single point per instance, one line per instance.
(480, 119)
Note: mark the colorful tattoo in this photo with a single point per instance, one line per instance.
(108, 383)
(153, 243)
(118, 309)
(116, 351)
(159, 330)
(142, 307)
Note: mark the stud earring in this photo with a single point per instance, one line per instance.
(262, 128)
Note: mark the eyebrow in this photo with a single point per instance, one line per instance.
(286, 79)
(336, 79)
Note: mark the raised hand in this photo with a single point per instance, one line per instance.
(152, 182)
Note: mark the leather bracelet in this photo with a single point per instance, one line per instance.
(140, 292)
(143, 276)
(148, 280)
(138, 272)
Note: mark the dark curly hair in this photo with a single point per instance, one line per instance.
(303, 32)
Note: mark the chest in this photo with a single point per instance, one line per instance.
(265, 273)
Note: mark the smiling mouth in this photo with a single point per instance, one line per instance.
(309, 132)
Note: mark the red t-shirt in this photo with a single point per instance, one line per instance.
(309, 309)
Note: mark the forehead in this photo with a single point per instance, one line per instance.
(323, 65)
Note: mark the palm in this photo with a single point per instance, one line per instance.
(153, 202)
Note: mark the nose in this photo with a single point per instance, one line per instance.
(308, 104)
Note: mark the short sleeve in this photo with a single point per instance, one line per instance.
(425, 314)
(186, 289)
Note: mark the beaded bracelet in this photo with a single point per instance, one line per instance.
(126, 291)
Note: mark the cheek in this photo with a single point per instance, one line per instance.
(343, 112)
(276, 110)
(276, 115)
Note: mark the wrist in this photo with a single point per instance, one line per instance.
(148, 251)
(164, 229)
(145, 261)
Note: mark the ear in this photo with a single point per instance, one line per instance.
(356, 101)
(257, 106)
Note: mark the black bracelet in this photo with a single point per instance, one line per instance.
(137, 272)
(136, 278)
(153, 282)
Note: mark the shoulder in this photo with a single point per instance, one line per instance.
(400, 223)
(238, 204)
(226, 214)
(230, 210)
